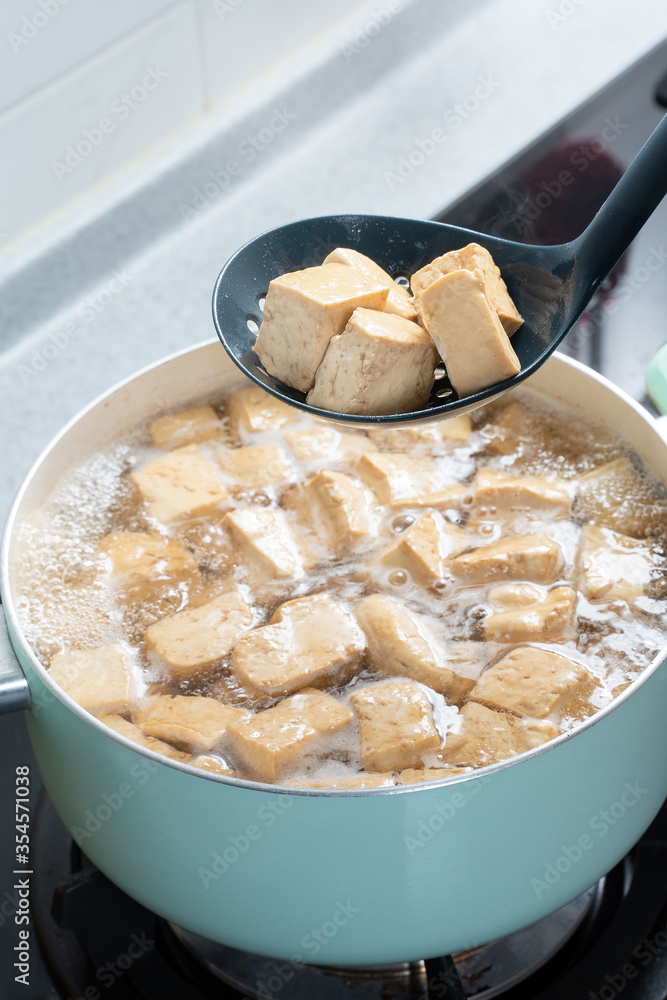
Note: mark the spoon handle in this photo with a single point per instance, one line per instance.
(636, 196)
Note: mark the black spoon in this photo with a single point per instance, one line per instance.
(551, 285)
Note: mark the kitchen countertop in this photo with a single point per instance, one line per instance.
(126, 276)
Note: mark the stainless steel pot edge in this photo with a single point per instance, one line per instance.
(14, 683)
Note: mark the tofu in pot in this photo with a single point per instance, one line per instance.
(525, 557)
(101, 680)
(213, 764)
(487, 737)
(131, 732)
(181, 484)
(380, 363)
(195, 638)
(315, 444)
(396, 723)
(519, 495)
(149, 562)
(193, 722)
(398, 480)
(334, 506)
(433, 437)
(264, 542)
(349, 781)
(467, 333)
(198, 423)
(254, 466)
(548, 620)
(613, 567)
(267, 742)
(426, 548)
(399, 300)
(400, 645)
(473, 257)
(252, 410)
(309, 641)
(534, 682)
(303, 311)
(615, 495)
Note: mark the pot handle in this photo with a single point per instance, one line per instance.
(656, 386)
(14, 690)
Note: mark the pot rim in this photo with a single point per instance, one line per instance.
(17, 635)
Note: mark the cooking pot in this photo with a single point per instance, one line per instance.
(340, 877)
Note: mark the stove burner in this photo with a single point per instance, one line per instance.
(482, 973)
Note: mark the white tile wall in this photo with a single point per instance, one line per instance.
(66, 64)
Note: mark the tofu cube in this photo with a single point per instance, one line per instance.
(472, 258)
(268, 741)
(548, 620)
(255, 466)
(198, 423)
(360, 780)
(524, 557)
(150, 562)
(400, 480)
(487, 737)
(613, 567)
(467, 332)
(426, 547)
(131, 732)
(399, 645)
(510, 429)
(396, 724)
(432, 437)
(303, 311)
(193, 722)
(264, 542)
(520, 495)
(309, 641)
(333, 506)
(99, 680)
(380, 363)
(617, 496)
(534, 682)
(253, 410)
(316, 443)
(399, 300)
(181, 484)
(513, 595)
(412, 775)
(197, 637)
(213, 764)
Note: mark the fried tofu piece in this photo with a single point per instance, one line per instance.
(399, 645)
(255, 466)
(399, 300)
(509, 429)
(270, 740)
(213, 764)
(432, 437)
(264, 542)
(487, 737)
(512, 495)
(534, 682)
(181, 484)
(252, 410)
(426, 548)
(380, 363)
(396, 724)
(412, 775)
(360, 780)
(194, 722)
(197, 637)
(617, 496)
(309, 641)
(513, 595)
(548, 620)
(472, 257)
(125, 728)
(467, 332)
(99, 680)
(149, 561)
(331, 504)
(198, 423)
(524, 557)
(303, 311)
(399, 480)
(613, 567)
(317, 443)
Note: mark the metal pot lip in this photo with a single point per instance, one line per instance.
(460, 779)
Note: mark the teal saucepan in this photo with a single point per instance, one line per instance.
(337, 877)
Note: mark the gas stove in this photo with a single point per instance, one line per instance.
(92, 941)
